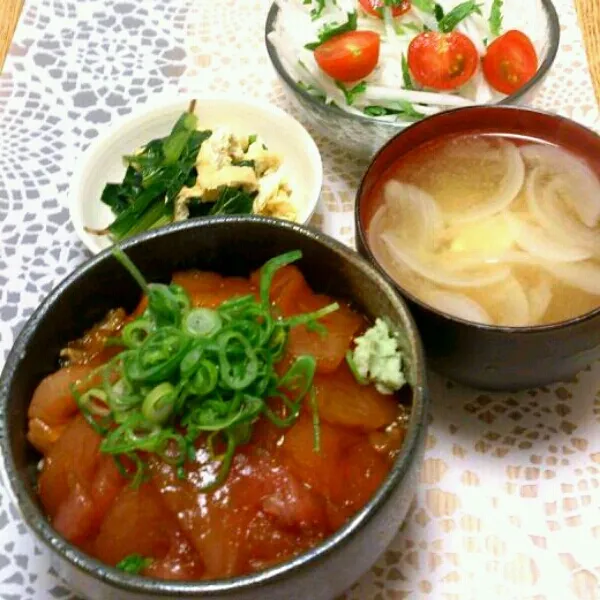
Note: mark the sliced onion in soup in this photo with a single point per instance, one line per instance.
(516, 310)
(428, 269)
(584, 276)
(506, 303)
(413, 214)
(547, 208)
(487, 237)
(399, 271)
(538, 242)
(375, 230)
(540, 296)
(457, 305)
(510, 186)
(476, 245)
(583, 183)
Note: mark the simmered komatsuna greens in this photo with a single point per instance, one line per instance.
(155, 175)
(192, 173)
(190, 372)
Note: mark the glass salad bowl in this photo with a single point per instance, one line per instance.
(363, 134)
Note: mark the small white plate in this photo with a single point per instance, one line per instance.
(102, 162)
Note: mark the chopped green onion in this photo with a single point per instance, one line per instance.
(128, 264)
(191, 372)
(189, 363)
(95, 402)
(308, 318)
(353, 368)
(134, 564)
(136, 433)
(278, 341)
(181, 296)
(268, 271)
(237, 377)
(202, 322)
(205, 379)
(134, 334)
(158, 404)
(314, 407)
(225, 464)
(299, 377)
(158, 357)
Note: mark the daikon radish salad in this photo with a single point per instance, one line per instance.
(491, 229)
(402, 60)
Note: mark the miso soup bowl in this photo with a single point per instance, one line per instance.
(232, 246)
(482, 356)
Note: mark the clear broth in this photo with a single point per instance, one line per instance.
(459, 173)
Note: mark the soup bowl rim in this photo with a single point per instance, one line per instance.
(84, 563)
(365, 246)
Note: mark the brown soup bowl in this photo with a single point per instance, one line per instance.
(484, 356)
(232, 246)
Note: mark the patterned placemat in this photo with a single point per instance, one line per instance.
(509, 501)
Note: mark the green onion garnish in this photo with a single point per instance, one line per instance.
(189, 373)
(134, 564)
(202, 322)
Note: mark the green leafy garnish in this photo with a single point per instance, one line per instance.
(427, 6)
(402, 28)
(449, 21)
(312, 90)
(495, 19)
(352, 93)
(438, 12)
(407, 79)
(134, 564)
(316, 12)
(243, 163)
(153, 179)
(187, 373)
(331, 30)
(401, 108)
(155, 176)
(231, 201)
(314, 407)
(354, 369)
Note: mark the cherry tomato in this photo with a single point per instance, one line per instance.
(349, 56)
(510, 62)
(373, 7)
(442, 61)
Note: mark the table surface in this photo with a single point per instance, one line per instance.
(588, 12)
(510, 489)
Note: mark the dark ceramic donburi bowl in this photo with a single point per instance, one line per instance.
(232, 246)
(488, 357)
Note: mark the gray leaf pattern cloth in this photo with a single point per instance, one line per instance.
(88, 62)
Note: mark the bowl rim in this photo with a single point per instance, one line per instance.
(361, 233)
(409, 452)
(542, 71)
(141, 114)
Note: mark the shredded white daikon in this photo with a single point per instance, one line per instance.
(385, 86)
